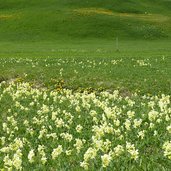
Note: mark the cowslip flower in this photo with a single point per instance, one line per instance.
(17, 163)
(132, 151)
(141, 134)
(137, 123)
(118, 150)
(106, 158)
(90, 154)
(43, 159)
(56, 152)
(79, 128)
(131, 114)
(169, 129)
(17, 160)
(167, 149)
(127, 124)
(78, 145)
(31, 156)
(68, 152)
(84, 165)
(152, 115)
(7, 161)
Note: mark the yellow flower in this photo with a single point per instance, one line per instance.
(79, 128)
(57, 151)
(106, 158)
(84, 165)
(169, 129)
(31, 156)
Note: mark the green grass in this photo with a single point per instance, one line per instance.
(53, 28)
(81, 31)
(49, 58)
(56, 20)
(62, 56)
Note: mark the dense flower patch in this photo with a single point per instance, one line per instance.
(46, 130)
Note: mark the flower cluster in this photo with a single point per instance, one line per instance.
(48, 130)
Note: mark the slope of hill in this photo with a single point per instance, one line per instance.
(84, 19)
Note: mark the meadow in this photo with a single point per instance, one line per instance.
(85, 109)
(90, 65)
(85, 85)
(66, 130)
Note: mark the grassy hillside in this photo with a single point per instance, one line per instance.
(55, 20)
(85, 85)
(85, 30)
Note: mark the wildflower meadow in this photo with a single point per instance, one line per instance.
(66, 130)
(85, 85)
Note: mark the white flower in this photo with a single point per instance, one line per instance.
(117, 122)
(151, 125)
(98, 143)
(17, 160)
(106, 145)
(130, 114)
(59, 123)
(5, 149)
(54, 114)
(167, 149)
(93, 113)
(131, 149)
(106, 158)
(7, 161)
(141, 134)
(78, 145)
(2, 140)
(43, 160)
(127, 124)
(90, 154)
(67, 136)
(84, 165)
(45, 109)
(42, 132)
(118, 150)
(68, 152)
(155, 133)
(134, 154)
(31, 156)
(169, 129)
(137, 122)
(79, 128)
(78, 109)
(57, 151)
(152, 115)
